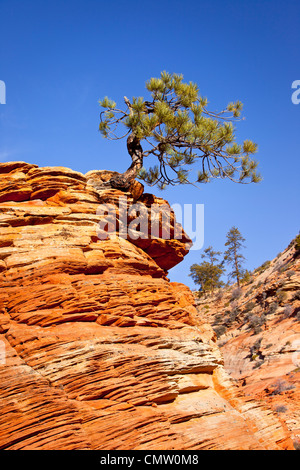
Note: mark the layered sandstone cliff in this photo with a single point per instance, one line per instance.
(98, 350)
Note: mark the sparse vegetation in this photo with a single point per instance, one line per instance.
(236, 293)
(281, 296)
(220, 330)
(234, 314)
(296, 296)
(272, 308)
(256, 345)
(218, 319)
(256, 322)
(248, 312)
(296, 444)
(258, 364)
(263, 267)
(297, 242)
(290, 273)
(249, 306)
(282, 386)
(256, 354)
(281, 409)
(219, 296)
(247, 277)
(288, 310)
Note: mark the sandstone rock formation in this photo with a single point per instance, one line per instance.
(98, 350)
(258, 331)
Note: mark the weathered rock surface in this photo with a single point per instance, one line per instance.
(98, 350)
(259, 335)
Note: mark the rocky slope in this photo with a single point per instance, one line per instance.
(258, 329)
(98, 350)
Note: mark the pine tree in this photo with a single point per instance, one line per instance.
(177, 129)
(233, 256)
(208, 273)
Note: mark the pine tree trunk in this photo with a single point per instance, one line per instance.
(123, 180)
(135, 150)
(236, 268)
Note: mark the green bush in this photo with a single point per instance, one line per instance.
(297, 242)
(247, 277)
(263, 267)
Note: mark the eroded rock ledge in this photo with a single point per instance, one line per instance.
(99, 349)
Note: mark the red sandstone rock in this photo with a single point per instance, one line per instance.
(99, 349)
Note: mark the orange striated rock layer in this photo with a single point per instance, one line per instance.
(98, 350)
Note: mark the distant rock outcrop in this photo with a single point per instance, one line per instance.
(98, 349)
(258, 329)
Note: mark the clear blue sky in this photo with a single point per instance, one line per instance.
(58, 58)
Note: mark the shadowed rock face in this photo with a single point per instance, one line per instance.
(98, 349)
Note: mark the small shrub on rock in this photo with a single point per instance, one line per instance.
(282, 386)
(288, 310)
(281, 296)
(296, 295)
(256, 322)
(236, 293)
(281, 409)
(272, 309)
(234, 314)
(263, 267)
(296, 444)
(220, 330)
(297, 242)
(249, 306)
